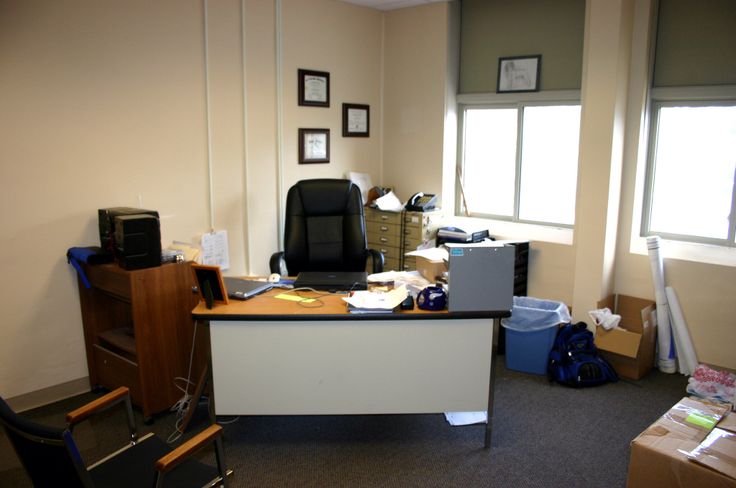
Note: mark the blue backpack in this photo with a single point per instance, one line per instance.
(574, 359)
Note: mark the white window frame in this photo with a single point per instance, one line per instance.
(683, 97)
(512, 227)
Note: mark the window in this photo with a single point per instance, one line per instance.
(691, 173)
(520, 162)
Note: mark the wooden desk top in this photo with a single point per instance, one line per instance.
(328, 306)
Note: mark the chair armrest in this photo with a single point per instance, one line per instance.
(277, 263)
(183, 452)
(377, 257)
(95, 406)
(121, 394)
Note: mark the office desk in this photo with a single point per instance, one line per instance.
(277, 357)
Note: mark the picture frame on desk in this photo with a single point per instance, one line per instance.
(314, 88)
(210, 284)
(314, 146)
(355, 120)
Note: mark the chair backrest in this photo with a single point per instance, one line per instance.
(48, 454)
(324, 228)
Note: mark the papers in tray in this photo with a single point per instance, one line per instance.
(375, 302)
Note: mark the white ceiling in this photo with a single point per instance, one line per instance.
(390, 4)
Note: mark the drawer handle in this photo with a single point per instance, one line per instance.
(384, 251)
(383, 239)
(384, 227)
(384, 217)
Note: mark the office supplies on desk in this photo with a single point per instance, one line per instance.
(242, 289)
(376, 302)
(461, 235)
(332, 280)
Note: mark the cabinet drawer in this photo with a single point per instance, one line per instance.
(381, 240)
(374, 215)
(391, 264)
(389, 252)
(382, 228)
(114, 370)
(419, 233)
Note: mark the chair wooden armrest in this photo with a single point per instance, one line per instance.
(84, 412)
(181, 453)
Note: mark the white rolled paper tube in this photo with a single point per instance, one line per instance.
(686, 355)
(666, 356)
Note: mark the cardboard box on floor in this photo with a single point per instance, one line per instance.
(630, 351)
(692, 445)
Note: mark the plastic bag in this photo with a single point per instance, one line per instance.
(531, 314)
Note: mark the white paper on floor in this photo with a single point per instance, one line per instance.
(465, 418)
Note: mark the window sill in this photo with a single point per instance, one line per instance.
(688, 251)
(503, 230)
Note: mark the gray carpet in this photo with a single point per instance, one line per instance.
(544, 436)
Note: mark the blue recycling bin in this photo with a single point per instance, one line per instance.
(531, 332)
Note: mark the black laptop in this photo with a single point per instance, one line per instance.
(241, 289)
(332, 280)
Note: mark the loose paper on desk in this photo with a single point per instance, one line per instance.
(389, 202)
(376, 301)
(214, 249)
(433, 254)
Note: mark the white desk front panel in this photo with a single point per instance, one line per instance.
(350, 366)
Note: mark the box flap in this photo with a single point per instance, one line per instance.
(717, 451)
(634, 312)
(618, 341)
(728, 422)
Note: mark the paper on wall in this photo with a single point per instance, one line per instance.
(215, 250)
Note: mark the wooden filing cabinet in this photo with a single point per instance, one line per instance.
(138, 330)
(395, 233)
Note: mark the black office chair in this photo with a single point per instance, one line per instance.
(51, 457)
(324, 230)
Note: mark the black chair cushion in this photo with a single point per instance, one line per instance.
(133, 467)
(324, 228)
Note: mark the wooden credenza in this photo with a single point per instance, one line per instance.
(138, 330)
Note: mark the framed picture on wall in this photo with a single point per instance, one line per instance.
(314, 88)
(519, 74)
(355, 120)
(314, 146)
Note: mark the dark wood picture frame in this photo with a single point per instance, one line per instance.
(314, 146)
(314, 88)
(356, 120)
(518, 74)
(207, 276)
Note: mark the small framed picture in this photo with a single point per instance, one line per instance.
(314, 146)
(519, 74)
(210, 283)
(314, 88)
(356, 121)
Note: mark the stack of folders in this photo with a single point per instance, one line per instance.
(369, 302)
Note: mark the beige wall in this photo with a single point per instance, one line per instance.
(416, 60)
(105, 104)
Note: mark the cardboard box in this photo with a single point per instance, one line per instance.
(693, 444)
(630, 351)
(431, 268)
